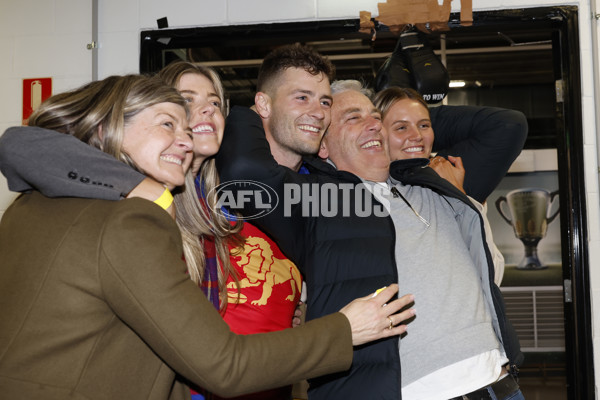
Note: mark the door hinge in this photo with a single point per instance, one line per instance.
(559, 87)
(567, 289)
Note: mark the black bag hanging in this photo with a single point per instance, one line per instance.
(414, 64)
(394, 71)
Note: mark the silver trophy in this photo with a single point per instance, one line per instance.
(529, 209)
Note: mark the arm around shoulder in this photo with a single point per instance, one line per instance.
(175, 319)
(60, 165)
(245, 152)
(488, 139)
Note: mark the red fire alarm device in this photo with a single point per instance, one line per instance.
(35, 91)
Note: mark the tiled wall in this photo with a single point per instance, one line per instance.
(40, 38)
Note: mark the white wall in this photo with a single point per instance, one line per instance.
(40, 38)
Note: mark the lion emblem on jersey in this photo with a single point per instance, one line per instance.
(263, 269)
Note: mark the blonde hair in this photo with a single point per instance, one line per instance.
(98, 112)
(107, 106)
(195, 220)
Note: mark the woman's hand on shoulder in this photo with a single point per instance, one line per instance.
(450, 169)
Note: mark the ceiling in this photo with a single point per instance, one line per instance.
(501, 55)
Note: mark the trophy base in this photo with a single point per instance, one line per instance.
(529, 263)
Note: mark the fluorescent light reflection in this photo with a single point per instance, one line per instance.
(455, 84)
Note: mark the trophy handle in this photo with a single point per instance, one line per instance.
(552, 196)
(499, 202)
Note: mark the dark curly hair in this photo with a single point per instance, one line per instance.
(292, 56)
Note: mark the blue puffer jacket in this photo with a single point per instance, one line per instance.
(342, 256)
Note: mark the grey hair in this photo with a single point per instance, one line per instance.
(350, 84)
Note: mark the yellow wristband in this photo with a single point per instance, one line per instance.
(165, 200)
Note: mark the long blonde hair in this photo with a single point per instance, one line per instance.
(196, 221)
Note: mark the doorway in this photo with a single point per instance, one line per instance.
(524, 59)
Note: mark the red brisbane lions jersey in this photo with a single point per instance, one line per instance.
(270, 286)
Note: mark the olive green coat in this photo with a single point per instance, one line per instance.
(95, 303)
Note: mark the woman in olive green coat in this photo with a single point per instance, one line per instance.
(95, 301)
